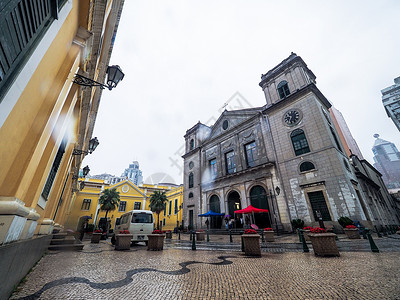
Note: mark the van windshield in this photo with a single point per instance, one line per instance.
(142, 218)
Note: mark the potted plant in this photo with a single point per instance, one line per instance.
(306, 231)
(123, 240)
(269, 234)
(251, 243)
(168, 234)
(96, 236)
(352, 232)
(344, 221)
(323, 243)
(155, 240)
(200, 235)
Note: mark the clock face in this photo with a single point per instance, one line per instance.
(292, 117)
(191, 165)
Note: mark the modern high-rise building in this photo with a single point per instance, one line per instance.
(391, 101)
(387, 162)
(349, 143)
(133, 173)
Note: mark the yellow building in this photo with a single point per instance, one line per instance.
(44, 116)
(131, 197)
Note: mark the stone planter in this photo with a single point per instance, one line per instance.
(123, 241)
(168, 235)
(200, 235)
(306, 233)
(155, 242)
(251, 244)
(96, 236)
(352, 233)
(269, 236)
(324, 244)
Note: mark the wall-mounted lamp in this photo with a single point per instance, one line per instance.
(85, 170)
(277, 190)
(81, 185)
(93, 143)
(114, 75)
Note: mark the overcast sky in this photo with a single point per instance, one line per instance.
(184, 59)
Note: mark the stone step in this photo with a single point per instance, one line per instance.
(66, 247)
(60, 235)
(62, 241)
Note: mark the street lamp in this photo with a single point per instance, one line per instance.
(114, 76)
(93, 143)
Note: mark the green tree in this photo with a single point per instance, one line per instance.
(109, 200)
(157, 204)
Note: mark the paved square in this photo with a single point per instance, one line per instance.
(99, 272)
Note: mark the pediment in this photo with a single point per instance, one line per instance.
(127, 188)
(231, 119)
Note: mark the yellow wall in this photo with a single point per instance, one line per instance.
(128, 192)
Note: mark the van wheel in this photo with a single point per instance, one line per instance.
(113, 239)
(146, 243)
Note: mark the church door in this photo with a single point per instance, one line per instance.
(215, 222)
(258, 199)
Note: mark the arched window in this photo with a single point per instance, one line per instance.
(299, 141)
(190, 180)
(214, 204)
(191, 144)
(283, 89)
(190, 195)
(307, 166)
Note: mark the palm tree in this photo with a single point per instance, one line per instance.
(109, 200)
(157, 204)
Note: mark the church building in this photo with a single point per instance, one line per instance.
(285, 156)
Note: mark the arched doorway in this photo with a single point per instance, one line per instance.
(258, 199)
(234, 204)
(215, 222)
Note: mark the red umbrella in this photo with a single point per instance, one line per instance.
(251, 210)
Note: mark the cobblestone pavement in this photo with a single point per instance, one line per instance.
(99, 272)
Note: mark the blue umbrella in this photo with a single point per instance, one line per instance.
(211, 214)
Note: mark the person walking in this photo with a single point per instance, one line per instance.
(83, 229)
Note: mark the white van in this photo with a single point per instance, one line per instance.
(140, 223)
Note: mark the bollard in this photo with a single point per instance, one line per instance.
(393, 228)
(377, 232)
(364, 234)
(193, 241)
(242, 243)
(262, 236)
(374, 248)
(190, 235)
(384, 231)
(179, 235)
(300, 238)
(208, 236)
(230, 236)
(387, 229)
(305, 248)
